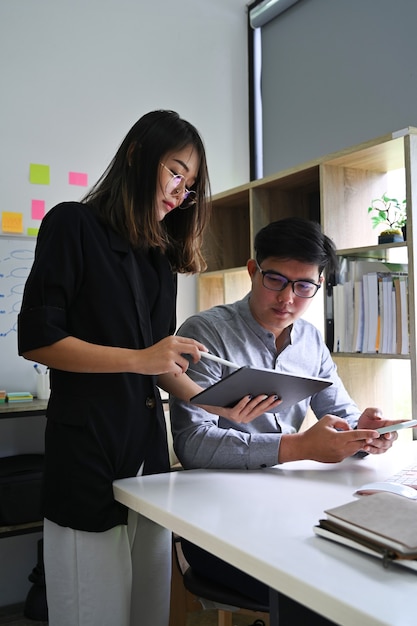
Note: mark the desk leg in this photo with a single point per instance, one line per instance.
(273, 607)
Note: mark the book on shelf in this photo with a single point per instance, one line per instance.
(402, 333)
(405, 330)
(329, 330)
(358, 317)
(339, 318)
(371, 312)
(349, 320)
(382, 525)
(387, 312)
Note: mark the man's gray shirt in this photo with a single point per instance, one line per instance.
(203, 440)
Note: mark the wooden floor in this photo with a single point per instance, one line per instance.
(13, 616)
(209, 618)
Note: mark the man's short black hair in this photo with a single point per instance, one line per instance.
(299, 239)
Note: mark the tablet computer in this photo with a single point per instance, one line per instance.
(257, 381)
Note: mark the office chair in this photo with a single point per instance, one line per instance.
(204, 594)
(191, 592)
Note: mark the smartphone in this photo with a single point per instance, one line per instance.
(394, 427)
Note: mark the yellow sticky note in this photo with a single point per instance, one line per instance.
(39, 174)
(12, 222)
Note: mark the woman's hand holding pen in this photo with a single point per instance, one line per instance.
(246, 410)
(168, 356)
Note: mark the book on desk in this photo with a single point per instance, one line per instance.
(382, 524)
(19, 396)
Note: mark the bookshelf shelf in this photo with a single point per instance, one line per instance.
(374, 355)
(380, 252)
(335, 190)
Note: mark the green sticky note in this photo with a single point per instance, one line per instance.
(32, 232)
(39, 174)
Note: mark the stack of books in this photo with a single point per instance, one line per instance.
(370, 308)
(2, 396)
(382, 525)
(19, 396)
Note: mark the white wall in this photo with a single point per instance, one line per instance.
(75, 75)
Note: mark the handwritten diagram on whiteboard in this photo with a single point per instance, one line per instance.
(16, 258)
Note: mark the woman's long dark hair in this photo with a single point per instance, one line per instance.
(124, 196)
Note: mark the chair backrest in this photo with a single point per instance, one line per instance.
(173, 460)
(211, 595)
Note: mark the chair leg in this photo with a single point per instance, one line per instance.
(178, 610)
(224, 618)
(182, 601)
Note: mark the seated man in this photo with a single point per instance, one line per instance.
(265, 330)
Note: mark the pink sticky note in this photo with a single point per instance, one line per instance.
(38, 209)
(78, 178)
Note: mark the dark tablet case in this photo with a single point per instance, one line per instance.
(255, 381)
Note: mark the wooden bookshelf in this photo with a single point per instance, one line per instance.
(336, 190)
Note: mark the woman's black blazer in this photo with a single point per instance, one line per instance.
(85, 282)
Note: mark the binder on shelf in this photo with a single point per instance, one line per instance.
(386, 312)
(358, 315)
(349, 318)
(339, 318)
(371, 312)
(403, 342)
(329, 330)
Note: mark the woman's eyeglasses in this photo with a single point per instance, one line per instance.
(277, 282)
(176, 187)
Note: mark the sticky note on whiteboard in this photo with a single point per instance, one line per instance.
(12, 222)
(78, 178)
(39, 174)
(38, 209)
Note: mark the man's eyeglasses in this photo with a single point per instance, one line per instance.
(176, 187)
(277, 282)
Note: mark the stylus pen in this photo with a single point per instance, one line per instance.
(212, 357)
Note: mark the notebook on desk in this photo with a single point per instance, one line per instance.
(382, 525)
(257, 381)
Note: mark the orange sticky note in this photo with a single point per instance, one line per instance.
(12, 222)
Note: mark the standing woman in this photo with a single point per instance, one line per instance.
(99, 310)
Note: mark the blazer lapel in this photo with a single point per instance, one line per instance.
(130, 268)
(164, 312)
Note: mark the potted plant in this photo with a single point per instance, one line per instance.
(393, 214)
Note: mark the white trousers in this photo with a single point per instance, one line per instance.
(120, 577)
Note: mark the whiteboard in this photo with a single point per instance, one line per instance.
(16, 258)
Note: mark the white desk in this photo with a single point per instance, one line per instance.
(262, 522)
